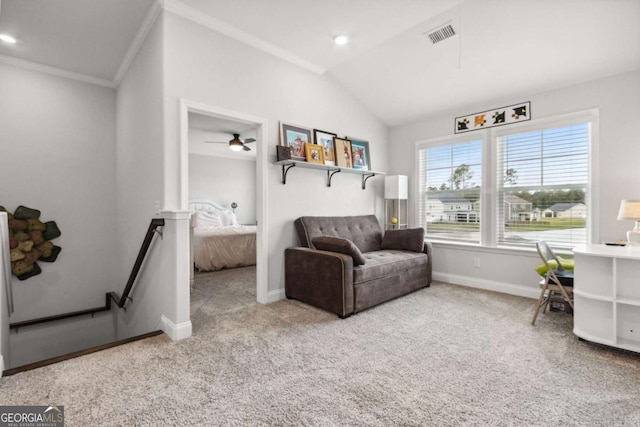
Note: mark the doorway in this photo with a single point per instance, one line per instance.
(246, 121)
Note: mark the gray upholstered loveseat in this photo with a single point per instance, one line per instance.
(347, 264)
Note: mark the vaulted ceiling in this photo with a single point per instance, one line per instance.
(503, 49)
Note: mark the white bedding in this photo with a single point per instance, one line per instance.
(224, 247)
(218, 241)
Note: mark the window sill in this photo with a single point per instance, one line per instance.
(504, 250)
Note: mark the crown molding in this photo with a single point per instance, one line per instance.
(178, 8)
(56, 71)
(142, 33)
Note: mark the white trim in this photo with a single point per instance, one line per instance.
(141, 35)
(57, 71)
(175, 332)
(1, 365)
(178, 8)
(184, 215)
(262, 189)
(489, 285)
(276, 295)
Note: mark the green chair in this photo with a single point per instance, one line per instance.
(556, 280)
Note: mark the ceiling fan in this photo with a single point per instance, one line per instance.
(236, 144)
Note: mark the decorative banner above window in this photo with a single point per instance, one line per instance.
(497, 117)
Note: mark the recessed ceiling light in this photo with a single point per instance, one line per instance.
(341, 40)
(7, 38)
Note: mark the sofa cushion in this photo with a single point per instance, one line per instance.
(407, 239)
(364, 231)
(338, 244)
(388, 262)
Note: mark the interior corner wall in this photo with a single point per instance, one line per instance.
(57, 141)
(224, 181)
(617, 98)
(140, 186)
(210, 68)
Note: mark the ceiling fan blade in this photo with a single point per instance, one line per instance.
(249, 140)
(245, 148)
(217, 142)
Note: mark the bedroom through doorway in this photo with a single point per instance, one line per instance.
(221, 188)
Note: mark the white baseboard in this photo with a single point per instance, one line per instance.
(276, 295)
(489, 285)
(175, 332)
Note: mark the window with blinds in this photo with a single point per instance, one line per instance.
(542, 186)
(449, 191)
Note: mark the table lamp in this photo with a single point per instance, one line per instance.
(630, 209)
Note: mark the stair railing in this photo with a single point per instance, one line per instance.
(110, 296)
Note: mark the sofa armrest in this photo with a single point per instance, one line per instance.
(428, 249)
(320, 278)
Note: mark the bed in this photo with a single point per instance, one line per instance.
(217, 240)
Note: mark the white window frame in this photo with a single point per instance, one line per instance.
(457, 139)
(488, 194)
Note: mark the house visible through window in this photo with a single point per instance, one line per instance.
(450, 185)
(540, 177)
(543, 178)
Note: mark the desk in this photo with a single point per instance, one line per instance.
(607, 295)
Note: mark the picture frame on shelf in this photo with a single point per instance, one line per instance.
(283, 152)
(360, 154)
(325, 140)
(343, 152)
(295, 137)
(314, 153)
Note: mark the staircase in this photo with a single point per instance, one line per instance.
(47, 340)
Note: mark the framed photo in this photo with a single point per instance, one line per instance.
(343, 152)
(360, 155)
(314, 153)
(295, 137)
(325, 140)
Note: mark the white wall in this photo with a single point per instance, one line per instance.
(140, 186)
(616, 171)
(5, 292)
(209, 68)
(58, 155)
(224, 180)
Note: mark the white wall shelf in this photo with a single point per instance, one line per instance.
(607, 295)
(331, 170)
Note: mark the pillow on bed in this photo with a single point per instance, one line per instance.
(340, 245)
(405, 239)
(206, 219)
(228, 218)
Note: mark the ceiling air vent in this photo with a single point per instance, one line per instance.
(441, 34)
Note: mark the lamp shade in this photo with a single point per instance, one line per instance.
(629, 209)
(396, 187)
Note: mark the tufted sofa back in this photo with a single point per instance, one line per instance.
(364, 231)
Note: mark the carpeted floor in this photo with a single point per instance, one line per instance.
(442, 356)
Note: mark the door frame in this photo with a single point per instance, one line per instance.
(186, 107)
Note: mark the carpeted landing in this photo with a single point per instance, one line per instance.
(442, 356)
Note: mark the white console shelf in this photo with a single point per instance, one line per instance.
(607, 295)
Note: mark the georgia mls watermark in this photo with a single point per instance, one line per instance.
(31, 416)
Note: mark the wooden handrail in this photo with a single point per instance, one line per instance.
(110, 296)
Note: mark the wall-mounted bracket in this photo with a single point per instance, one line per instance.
(365, 178)
(285, 170)
(330, 169)
(159, 232)
(330, 174)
